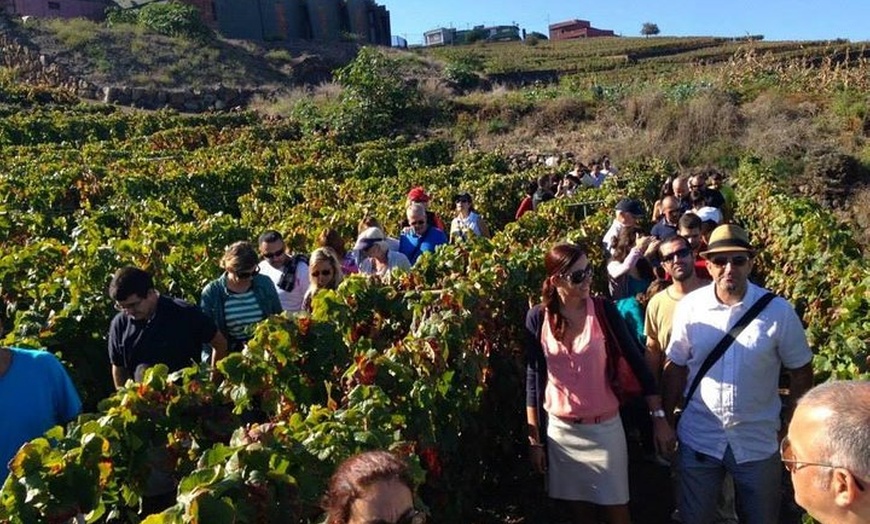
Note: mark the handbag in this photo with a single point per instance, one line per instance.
(623, 381)
(725, 343)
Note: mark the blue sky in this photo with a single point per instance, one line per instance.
(775, 19)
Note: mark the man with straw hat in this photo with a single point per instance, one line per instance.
(729, 341)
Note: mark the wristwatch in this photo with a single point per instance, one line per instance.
(657, 413)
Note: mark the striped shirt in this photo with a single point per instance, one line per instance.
(242, 312)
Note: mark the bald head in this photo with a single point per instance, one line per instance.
(681, 187)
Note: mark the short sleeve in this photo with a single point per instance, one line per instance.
(116, 342)
(794, 351)
(67, 404)
(679, 348)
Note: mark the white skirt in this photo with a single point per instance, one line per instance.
(587, 462)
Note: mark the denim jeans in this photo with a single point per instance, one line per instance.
(756, 486)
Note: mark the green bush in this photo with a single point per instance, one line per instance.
(173, 19)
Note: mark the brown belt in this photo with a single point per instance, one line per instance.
(604, 417)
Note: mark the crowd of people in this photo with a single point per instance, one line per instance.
(705, 345)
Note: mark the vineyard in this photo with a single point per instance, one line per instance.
(428, 366)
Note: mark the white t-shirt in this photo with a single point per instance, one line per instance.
(292, 301)
(394, 260)
(460, 227)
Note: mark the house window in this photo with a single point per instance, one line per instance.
(54, 5)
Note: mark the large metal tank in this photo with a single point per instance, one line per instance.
(236, 19)
(325, 18)
(358, 17)
(296, 16)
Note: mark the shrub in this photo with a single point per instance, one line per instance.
(462, 70)
(173, 19)
(376, 100)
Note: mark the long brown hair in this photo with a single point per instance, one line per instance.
(558, 259)
(356, 474)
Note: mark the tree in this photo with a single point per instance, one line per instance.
(649, 29)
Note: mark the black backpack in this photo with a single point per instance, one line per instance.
(288, 272)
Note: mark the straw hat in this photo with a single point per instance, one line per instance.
(728, 238)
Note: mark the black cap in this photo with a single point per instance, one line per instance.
(627, 205)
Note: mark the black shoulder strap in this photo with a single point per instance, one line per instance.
(726, 342)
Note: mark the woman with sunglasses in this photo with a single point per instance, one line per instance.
(374, 487)
(241, 297)
(467, 222)
(376, 256)
(324, 272)
(575, 433)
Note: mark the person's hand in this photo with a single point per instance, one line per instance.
(652, 248)
(538, 457)
(665, 438)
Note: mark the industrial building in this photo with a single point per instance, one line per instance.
(576, 29)
(331, 20)
(449, 36)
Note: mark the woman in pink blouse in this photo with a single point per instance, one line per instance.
(575, 432)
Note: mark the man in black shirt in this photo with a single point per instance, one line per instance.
(153, 329)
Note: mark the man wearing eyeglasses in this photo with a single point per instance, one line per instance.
(731, 422)
(151, 328)
(288, 273)
(422, 237)
(827, 452)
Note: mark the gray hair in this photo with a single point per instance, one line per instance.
(846, 437)
(416, 209)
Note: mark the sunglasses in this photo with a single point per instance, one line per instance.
(735, 261)
(792, 465)
(680, 253)
(577, 277)
(412, 516)
(247, 274)
(323, 272)
(130, 306)
(417, 222)
(274, 254)
(463, 201)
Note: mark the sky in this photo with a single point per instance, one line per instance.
(775, 19)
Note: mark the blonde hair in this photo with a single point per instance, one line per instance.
(238, 256)
(325, 254)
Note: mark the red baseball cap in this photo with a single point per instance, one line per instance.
(417, 194)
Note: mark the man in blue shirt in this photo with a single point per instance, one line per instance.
(420, 237)
(36, 394)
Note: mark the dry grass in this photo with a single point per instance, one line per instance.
(282, 103)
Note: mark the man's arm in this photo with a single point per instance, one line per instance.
(800, 381)
(120, 376)
(674, 380)
(219, 347)
(655, 358)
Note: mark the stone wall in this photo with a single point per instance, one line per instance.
(33, 67)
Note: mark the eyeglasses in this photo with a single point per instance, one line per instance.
(416, 222)
(412, 516)
(130, 306)
(792, 465)
(697, 186)
(735, 261)
(274, 254)
(680, 253)
(247, 274)
(324, 272)
(578, 276)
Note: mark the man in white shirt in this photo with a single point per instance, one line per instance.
(288, 273)
(731, 422)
